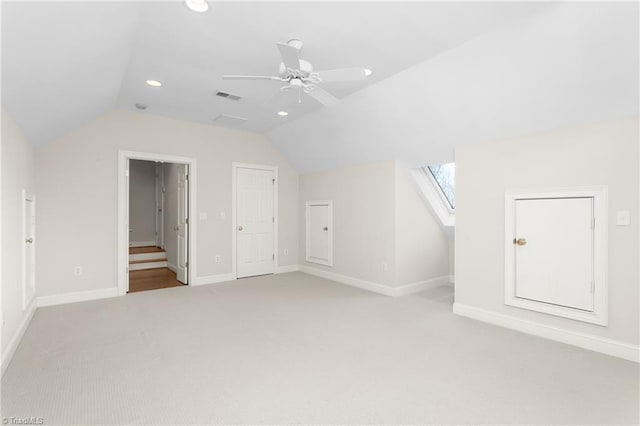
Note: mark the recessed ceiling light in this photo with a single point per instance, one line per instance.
(197, 5)
(367, 72)
(283, 113)
(154, 83)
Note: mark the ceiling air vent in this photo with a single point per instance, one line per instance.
(229, 120)
(228, 96)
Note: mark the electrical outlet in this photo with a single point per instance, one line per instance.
(385, 266)
(77, 271)
(217, 258)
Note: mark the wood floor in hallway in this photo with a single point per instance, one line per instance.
(152, 279)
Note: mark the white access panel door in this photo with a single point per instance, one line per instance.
(28, 252)
(319, 216)
(554, 251)
(255, 222)
(183, 224)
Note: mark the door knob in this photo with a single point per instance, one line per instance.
(520, 241)
(240, 228)
(325, 229)
(29, 240)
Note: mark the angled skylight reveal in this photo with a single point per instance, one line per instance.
(444, 175)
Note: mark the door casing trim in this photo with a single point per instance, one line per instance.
(123, 210)
(600, 315)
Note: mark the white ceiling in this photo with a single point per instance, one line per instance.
(64, 63)
(570, 64)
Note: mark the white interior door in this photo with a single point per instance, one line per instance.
(555, 251)
(29, 252)
(159, 205)
(255, 222)
(183, 224)
(319, 232)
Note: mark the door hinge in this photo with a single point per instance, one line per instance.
(273, 181)
(186, 177)
(186, 264)
(186, 221)
(273, 219)
(273, 257)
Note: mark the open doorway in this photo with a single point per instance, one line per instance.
(155, 244)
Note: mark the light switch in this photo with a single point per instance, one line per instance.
(623, 218)
(204, 216)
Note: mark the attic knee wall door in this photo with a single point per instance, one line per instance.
(554, 258)
(319, 232)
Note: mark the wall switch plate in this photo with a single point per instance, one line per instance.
(77, 271)
(217, 258)
(623, 218)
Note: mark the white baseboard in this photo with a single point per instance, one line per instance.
(78, 296)
(343, 279)
(375, 287)
(586, 341)
(287, 268)
(421, 285)
(172, 267)
(142, 243)
(212, 279)
(7, 355)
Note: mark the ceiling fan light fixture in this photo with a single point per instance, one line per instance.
(283, 113)
(367, 72)
(199, 6)
(153, 83)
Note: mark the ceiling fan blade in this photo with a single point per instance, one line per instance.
(250, 77)
(322, 96)
(342, 74)
(289, 56)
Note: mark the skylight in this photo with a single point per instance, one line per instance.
(444, 175)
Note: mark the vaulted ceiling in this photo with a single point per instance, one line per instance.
(66, 62)
(444, 73)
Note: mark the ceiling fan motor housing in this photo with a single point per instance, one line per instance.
(305, 69)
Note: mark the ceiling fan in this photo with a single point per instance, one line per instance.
(299, 74)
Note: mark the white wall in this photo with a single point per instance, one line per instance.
(602, 154)
(17, 174)
(422, 245)
(363, 219)
(378, 218)
(78, 199)
(142, 201)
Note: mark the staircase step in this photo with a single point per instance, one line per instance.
(148, 256)
(144, 249)
(138, 265)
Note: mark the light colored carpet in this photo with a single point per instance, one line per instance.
(299, 349)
